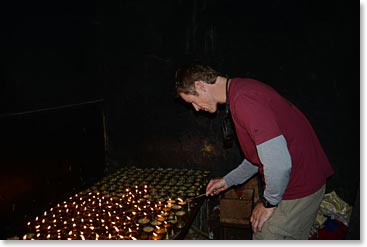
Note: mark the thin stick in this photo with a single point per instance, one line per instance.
(198, 196)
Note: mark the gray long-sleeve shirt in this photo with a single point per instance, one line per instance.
(275, 157)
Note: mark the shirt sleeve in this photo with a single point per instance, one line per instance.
(240, 174)
(277, 163)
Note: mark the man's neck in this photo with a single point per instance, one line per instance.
(220, 89)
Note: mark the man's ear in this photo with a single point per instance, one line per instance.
(200, 86)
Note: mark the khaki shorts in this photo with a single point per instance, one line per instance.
(292, 219)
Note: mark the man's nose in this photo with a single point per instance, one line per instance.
(195, 106)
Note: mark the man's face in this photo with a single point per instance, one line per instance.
(203, 101)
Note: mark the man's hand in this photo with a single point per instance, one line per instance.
(215, 186)
(259, 216)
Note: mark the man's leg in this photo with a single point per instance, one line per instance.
(292, 219)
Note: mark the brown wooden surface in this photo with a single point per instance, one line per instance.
(236, 209)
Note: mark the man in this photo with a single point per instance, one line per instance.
(277, 141)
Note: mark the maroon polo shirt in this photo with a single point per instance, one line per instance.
(259, 114)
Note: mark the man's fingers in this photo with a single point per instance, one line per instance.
(260, 225)
(209, 189)
(213, 192)
(218, 190)
(253, 224)
(256, 224)
(215, 186)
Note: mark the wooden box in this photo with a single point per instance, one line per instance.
(236, 206)
(253, 183)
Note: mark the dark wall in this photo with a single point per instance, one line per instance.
(307, 50)
(127, 51)
(51, 107)
(49, 55)
(46, 156)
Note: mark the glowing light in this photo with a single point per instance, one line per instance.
(113, 215)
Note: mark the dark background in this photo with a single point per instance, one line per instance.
(123, 55)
